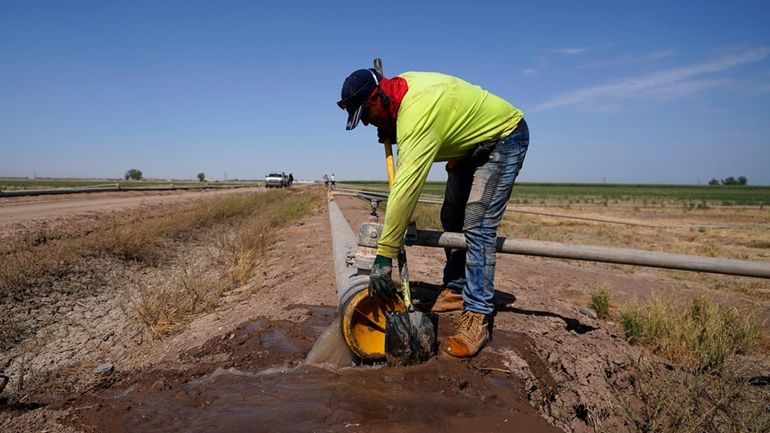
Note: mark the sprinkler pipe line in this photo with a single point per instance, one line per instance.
(623, 256)
(366, 194)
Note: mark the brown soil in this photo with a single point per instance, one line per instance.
(25, 213)
(240, 367)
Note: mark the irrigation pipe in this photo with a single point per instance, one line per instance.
(575, 217)
(344, 246)
(623, 256)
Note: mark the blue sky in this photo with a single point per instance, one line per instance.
(647, 92)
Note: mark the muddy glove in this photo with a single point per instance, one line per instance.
(381, 280)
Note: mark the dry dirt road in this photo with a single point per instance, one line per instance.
(240, 368)
(15, 210)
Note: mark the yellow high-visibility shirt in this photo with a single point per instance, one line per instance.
(441, 118)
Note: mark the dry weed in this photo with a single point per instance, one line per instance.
(156, 308)
(238, 246)
(202, 289)
(248, 240)
(668, 399)
(163, 307)
(701, 336)
(707, 389)
(141, 235)
(151, 237)
(137, 242)
(29, 256)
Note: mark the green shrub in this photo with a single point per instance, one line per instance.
(600, 302)
(633, 325)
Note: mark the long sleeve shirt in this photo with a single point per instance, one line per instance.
(441, 118)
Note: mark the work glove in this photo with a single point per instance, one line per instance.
(386, 133)
(381, 279)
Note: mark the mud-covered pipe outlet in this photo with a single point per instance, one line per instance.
(362, 318)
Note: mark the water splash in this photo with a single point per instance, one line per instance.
(330, 348)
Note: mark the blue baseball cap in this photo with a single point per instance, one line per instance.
(355, 91)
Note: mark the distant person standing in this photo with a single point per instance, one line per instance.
(326, 181)
(331, 180)
(291, 179)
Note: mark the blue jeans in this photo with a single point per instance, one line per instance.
(478, 188)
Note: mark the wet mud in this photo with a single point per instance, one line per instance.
(255, 379)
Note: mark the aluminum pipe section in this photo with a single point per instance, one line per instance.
(623, 256)
(344, 244)
(362, 318)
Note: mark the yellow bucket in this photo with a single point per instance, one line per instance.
(363, 324)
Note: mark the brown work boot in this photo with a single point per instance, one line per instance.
(471, 335)
(447, 300)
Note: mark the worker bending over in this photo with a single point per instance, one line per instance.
(436, 117)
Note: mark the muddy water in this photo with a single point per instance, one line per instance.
(265, 386)
(330, 348)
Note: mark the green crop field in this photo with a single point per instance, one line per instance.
(606, 194)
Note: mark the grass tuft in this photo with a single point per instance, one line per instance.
(600, 302)
(248, 241)
(702, 335)
(633, 325)
(709, 389)
(164, 308)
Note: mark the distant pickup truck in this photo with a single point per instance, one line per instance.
(276, 180)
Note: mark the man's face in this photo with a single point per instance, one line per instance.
(375, 114)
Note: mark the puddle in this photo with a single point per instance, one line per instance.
(434, 397)
(278, 392)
